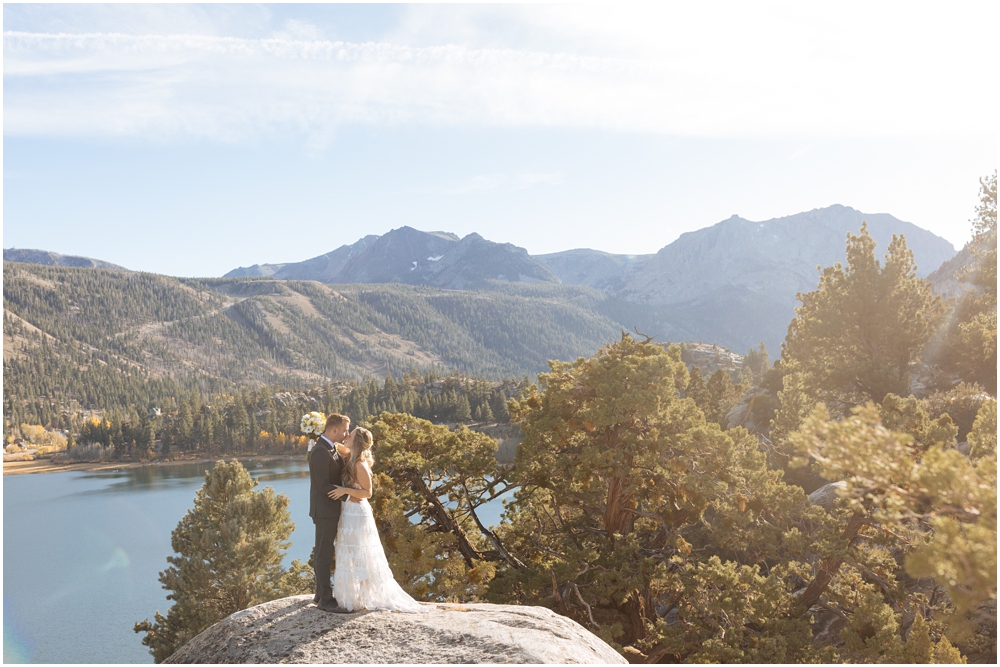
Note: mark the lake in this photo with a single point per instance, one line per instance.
(82, 552)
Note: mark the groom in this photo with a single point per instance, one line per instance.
(325, 467)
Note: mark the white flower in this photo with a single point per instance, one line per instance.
(312, 423)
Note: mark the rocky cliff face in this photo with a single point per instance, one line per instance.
(944, 280)
(293, 630)
(601, 270)
(777, 256)
(735, 282)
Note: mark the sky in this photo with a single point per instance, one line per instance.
(191, 139)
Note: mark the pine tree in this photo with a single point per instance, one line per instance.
(421, 464)
(723, 395)
(969, 336)
(697, 391)
(631, 502)
(984, 239)
(854, 339)
(389, 387)
(185, 425)
(757, 362)
(229, 549)
(462, 411)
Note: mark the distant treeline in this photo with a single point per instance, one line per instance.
(266, 419)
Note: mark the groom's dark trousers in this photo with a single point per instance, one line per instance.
(325, 469)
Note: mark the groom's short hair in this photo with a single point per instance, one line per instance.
(335, 421)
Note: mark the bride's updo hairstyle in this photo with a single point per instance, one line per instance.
(361, 451)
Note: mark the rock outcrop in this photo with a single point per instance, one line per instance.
(293, 630)
(826, 496)
(944, 280)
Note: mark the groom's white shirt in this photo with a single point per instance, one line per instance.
(332, 446)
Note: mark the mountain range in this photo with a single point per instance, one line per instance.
(733, 283)
(75, 331)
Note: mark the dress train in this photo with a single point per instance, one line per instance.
(362, 578)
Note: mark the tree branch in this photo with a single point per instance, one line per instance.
(445, 522)
(576, 589)
(828, 567)
(509, 558)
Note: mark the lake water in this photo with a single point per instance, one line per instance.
(82, 552)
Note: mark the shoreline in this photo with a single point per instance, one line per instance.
(46, 466)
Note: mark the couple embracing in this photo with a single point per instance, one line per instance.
(340, 484)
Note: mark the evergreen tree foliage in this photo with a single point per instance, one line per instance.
(723, 395)
(634, 510)
(984, 238)
(937, 505)
(443, 476)
(983, 437)
(855, 338)
(96, 339)
(697, 391)
(229, 549)
(757, 363)
(969, 333)
(961, 403)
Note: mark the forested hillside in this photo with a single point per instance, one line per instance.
(91, 338)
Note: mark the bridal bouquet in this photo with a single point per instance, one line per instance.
(312, 423)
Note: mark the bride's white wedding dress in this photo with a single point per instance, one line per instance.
(362, 578)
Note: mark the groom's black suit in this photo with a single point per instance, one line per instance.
(325, 469)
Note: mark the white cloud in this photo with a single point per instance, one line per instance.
(688, 69)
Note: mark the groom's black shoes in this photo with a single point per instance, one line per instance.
(333, 607)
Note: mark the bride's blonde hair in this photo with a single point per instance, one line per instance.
(361, 452)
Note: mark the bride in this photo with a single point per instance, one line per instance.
(362, 578)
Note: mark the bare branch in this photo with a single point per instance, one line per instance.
(579, 597)
(509, 558)
(649, 339)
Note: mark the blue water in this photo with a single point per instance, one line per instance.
(82, 552)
